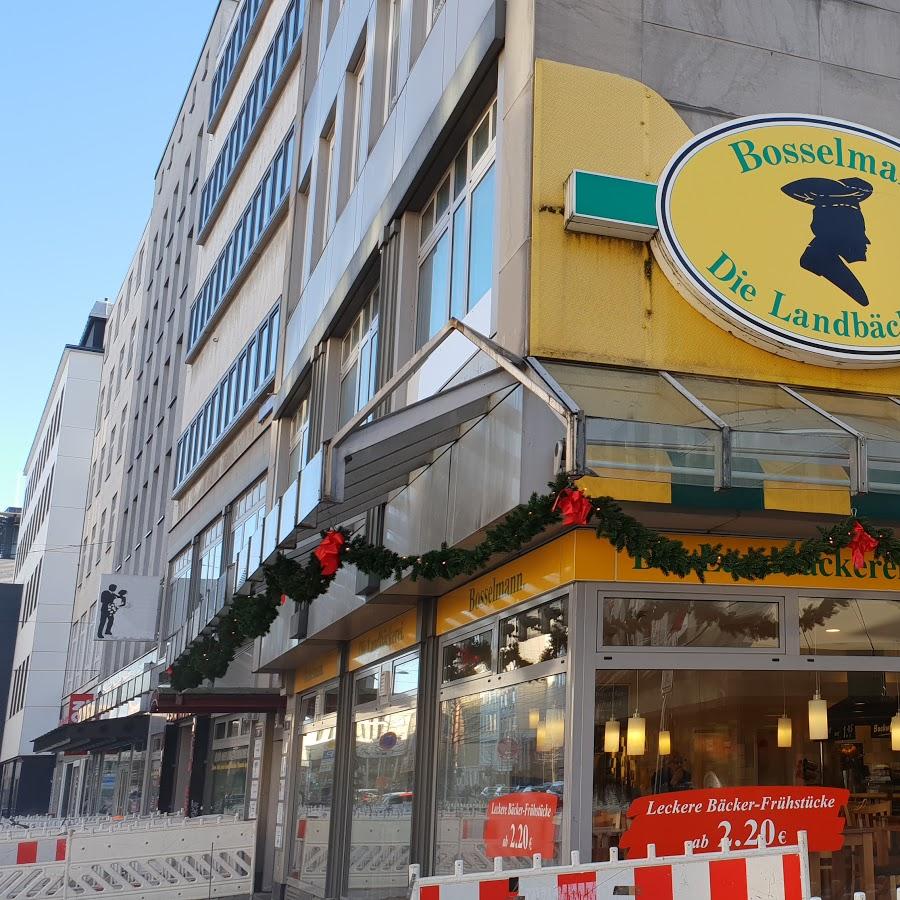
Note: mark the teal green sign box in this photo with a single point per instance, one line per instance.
(611, 206)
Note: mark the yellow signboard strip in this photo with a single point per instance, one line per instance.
(385, 640)
(322, 668)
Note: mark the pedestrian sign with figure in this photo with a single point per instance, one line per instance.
(126, 608)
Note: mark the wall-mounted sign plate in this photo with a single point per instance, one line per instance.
(610, 206)
(784, 230)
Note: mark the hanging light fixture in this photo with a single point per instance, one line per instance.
(785, 733)
(534, 718)
(895, 723)
(785, 729)
(636, 736)
(611, 735)
(542, 741)
(555, 728)
(665, 742)
(818, 718)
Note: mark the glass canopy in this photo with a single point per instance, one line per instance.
(647, 426)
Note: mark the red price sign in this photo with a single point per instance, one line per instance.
(520, 825)
(741, 815)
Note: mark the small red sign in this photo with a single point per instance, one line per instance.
(741, 815)
(520, 825)
(76, 701)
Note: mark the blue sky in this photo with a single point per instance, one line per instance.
(89, 95)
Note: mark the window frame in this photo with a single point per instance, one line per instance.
(444, 224)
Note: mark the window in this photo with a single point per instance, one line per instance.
(246, 379)
(468, 657)
(210, 565)
(234, 46)
(111, 536)
(392, 57)
(326, 179)
(359, 357)
(690, 622)
(179, 588)
(849, 626)
(299, 438)
(99, 547)
(523, 725)
(122, 428)
(356, 131)
(247, 515)
(456, 252)
(251, 110)
(244, 239)
(534, 636)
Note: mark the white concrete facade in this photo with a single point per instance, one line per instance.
(49, 547)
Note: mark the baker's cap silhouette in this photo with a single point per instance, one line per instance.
(826, 192)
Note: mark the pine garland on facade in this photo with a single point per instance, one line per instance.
(251, 617)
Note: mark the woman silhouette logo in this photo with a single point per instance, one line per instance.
(838, 227)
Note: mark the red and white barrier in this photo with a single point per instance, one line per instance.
(41, 850)
(774, 873)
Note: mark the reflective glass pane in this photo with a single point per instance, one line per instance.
(670, 622)
(509, 740)
(315, 782)
(868, 626)
(229, 776)
(383, 767)
(481, 238)
(467, 657)
(458, 265)
(722, 732)
(365, 690)
(406, 676)
(538, 635)
(433, 284)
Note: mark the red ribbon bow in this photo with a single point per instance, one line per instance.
(860, 544)
(328, 553)
(575, 507)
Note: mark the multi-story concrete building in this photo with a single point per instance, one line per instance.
(79, 777)
(434, 271)
(132, 470)
(57, 472)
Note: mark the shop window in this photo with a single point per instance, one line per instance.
(536, 635)
(492, 743)
(712, 729)
(229, 778)
(308, 709)
(313, 795)
(330, 700)
(457, 234)
(848, 626)
(219, 731)
(365, 689)
(467, 657)
(405, 677)
(383, 768)
(690, 623)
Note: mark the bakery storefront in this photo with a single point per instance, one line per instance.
(720, 312)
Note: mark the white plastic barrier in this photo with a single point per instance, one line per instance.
(192, 859)
(774, 873)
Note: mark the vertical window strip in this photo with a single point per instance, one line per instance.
(246, 378)
(270, 69)
(243, 240)
(236, 42)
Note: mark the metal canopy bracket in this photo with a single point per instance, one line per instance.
(355, 457)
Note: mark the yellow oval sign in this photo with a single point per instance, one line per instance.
(784, 229)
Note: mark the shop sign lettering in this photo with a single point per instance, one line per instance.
(781, 228)
(705, 818)
(520, 825)
(496, 590)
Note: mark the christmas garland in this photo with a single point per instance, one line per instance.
(251, 617)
